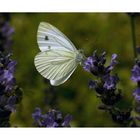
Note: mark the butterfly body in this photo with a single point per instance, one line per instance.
(58, 57)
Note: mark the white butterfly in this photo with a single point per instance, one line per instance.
(58, 57)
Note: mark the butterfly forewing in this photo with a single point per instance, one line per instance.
(49, 37)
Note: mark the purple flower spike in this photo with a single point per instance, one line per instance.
(7, 30)
(136, 94)
(10, 93)
(135, 73)
(95, 64)
(52, 118)
(7, 69)
(88, 65)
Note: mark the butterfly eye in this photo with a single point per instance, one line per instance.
(46, 38)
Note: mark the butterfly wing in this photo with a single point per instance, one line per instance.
(56, 65)
(49, 37)
(63, 79)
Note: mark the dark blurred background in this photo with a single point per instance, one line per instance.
(110, 32)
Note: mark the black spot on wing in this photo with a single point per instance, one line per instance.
(46, 38)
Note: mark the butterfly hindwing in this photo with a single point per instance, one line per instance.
(63, 79)
(55, 64)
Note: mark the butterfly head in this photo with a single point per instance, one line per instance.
(80, 57)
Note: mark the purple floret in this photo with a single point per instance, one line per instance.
(52, 118)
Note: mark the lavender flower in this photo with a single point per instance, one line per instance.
(52, 118)
(95, 64)
(136, 72)
(106, 86)
(10, 93)
(136, 78)
(7, 83)
(136, 94)
(7, 69)
(6, 32)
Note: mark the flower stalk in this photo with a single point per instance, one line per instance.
(132, 19)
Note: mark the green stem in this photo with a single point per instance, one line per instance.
(133, 35)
